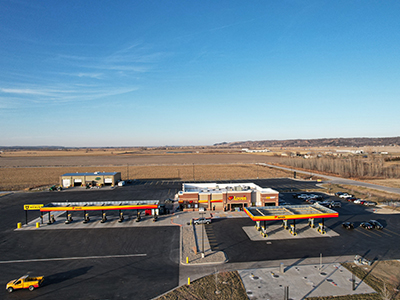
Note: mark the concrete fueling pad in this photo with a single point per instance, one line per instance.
(303, 281)
(278, 232)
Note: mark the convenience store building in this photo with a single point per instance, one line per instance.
(225, 196)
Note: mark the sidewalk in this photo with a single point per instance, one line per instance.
(192, 239)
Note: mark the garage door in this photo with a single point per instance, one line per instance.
(66, 182)
(108, 180)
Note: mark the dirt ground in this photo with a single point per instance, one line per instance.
(219, 286)
(382, 276)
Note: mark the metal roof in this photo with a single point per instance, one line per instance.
(100, 205)
(91, 174)
(290, 212)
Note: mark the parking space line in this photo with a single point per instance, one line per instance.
(375, 232)
(385, 233)
(70, 258)
(363, 232)
(392, 232)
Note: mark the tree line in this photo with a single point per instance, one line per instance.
(347, 167)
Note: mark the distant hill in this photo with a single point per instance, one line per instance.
(328, 142)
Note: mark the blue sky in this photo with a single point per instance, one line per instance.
(151, 73)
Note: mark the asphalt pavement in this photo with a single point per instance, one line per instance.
(141, 262)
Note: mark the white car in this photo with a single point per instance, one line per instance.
(344, 196)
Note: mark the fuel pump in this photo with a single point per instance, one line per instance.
(86, 218)
(285, 224)
(311, 223)
(51, 219)
(104, 218)
(321, 228)
(121, 217)
(138, 217)
(69, 218)
(292, 230)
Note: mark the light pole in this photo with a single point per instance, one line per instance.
(202, 236)
(193, 174)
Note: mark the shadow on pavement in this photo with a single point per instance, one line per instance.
(63, 276)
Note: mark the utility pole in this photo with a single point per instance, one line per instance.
(127, 170)
(193, 174)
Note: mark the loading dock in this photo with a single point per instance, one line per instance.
(290, 212)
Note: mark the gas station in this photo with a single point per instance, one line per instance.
(102, 206)
(290, 212)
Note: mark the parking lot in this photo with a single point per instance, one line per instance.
(142, 261)
(230, 236)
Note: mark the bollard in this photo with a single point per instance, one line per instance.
(37, 224)
(188, 280)
(19, 225)
(187, 259)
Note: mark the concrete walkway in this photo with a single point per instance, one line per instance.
(339, 180)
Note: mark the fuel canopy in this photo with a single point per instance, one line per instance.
(290, 212)
(100, 205)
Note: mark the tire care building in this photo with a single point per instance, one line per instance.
(222, 196)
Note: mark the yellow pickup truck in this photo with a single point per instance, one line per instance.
(25, 282)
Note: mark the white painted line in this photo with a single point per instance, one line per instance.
(69, 258)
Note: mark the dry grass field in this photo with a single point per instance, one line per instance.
(13, 179)
(24, 170)
(220, 286)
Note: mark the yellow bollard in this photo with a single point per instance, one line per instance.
(19, 225)
(37, 224)
(188, 280)
(187, 259)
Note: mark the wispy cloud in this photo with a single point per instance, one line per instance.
(76, 77)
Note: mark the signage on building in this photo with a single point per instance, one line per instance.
(235, 198)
